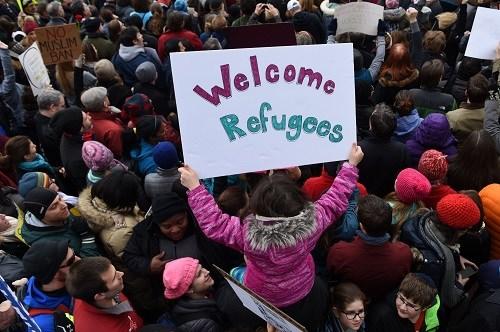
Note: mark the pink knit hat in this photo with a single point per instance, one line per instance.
(433, 165)
(97, 156)
(178, 276)
(411, 186)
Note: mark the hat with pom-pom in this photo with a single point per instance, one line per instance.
(433, 165)
(178, 276)
(411, 186)
(458, 211)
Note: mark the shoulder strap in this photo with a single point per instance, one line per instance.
(33, 312)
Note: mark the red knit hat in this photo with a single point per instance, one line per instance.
(433, 165)
(411, 186)
(29, 26)
(458, 211)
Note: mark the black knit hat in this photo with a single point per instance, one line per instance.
(43, 259)
(92, 24)
(68, 120)
(38, 200)
(167, 205)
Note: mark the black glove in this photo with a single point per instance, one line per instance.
(332, 27)
(381, 28)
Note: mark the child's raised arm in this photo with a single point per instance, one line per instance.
(215, 224)
(334, 202)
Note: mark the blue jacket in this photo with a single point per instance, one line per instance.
(8, 89)
(144, 158)
(36, 298)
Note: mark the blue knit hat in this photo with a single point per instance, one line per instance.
(165, 155)
(181, 6)
(32, 180)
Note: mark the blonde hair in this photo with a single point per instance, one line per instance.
(401, 212)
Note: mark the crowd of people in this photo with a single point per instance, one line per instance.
(103, 228)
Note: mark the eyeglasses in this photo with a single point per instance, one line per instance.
(70, 261)
(352, 315)
(407, 303)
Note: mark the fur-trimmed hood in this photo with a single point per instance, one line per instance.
(388, 82)
(328, 8)
(265, 233)
(99, 216)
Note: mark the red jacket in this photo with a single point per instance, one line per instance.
(376, 269)
(108, 130)
(91, 319)
(183, 34)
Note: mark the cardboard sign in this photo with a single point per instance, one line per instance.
(485, 34)
(264, 108)
(59, 43)
(247, 36)
(18, 307)
(259, 306)
(358, 17)
(36, 72)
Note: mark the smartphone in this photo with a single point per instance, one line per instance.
(468, 272)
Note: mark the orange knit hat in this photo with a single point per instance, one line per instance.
(458, 211)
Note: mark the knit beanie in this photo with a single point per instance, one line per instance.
(490, 197)
(92, 24)
(391, 4)
(411, 186)
(458, 211)
(489, 275)
(32, 180)
(135, 107)
(146, 72)
(181, 6)
(433, 165)
(43, 258)
(29, 26)
(165, 155)
(446, 19)
(38, 200)
(167, 205)
(178, 276)
(105, 71)
(97, 157)
(69, 120)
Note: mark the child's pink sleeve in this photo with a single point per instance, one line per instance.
(215, 224)
(334, 202)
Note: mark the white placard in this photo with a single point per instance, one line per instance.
(261, 307)
(485, 34)
(255, 109)
(358, 17)
(36, 72)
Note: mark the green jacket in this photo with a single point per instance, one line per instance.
(105, 47)
(74, 230)
(431, 316)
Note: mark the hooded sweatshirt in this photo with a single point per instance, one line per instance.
(129, 58)
(406, 125)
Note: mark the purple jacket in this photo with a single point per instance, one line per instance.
(280, 267)
(433, 133)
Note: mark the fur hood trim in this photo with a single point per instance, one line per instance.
(388, 82)
(280, 232)
(98, 215)
(328, 8)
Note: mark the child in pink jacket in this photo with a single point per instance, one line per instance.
(278, 236)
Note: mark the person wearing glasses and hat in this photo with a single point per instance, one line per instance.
(45, 295)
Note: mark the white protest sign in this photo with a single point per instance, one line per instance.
(36, 72)
(485, 34)
(255, 109)
(262, 308)
(358, 17)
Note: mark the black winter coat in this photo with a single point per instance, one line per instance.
(200, 315)
(71, 157)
